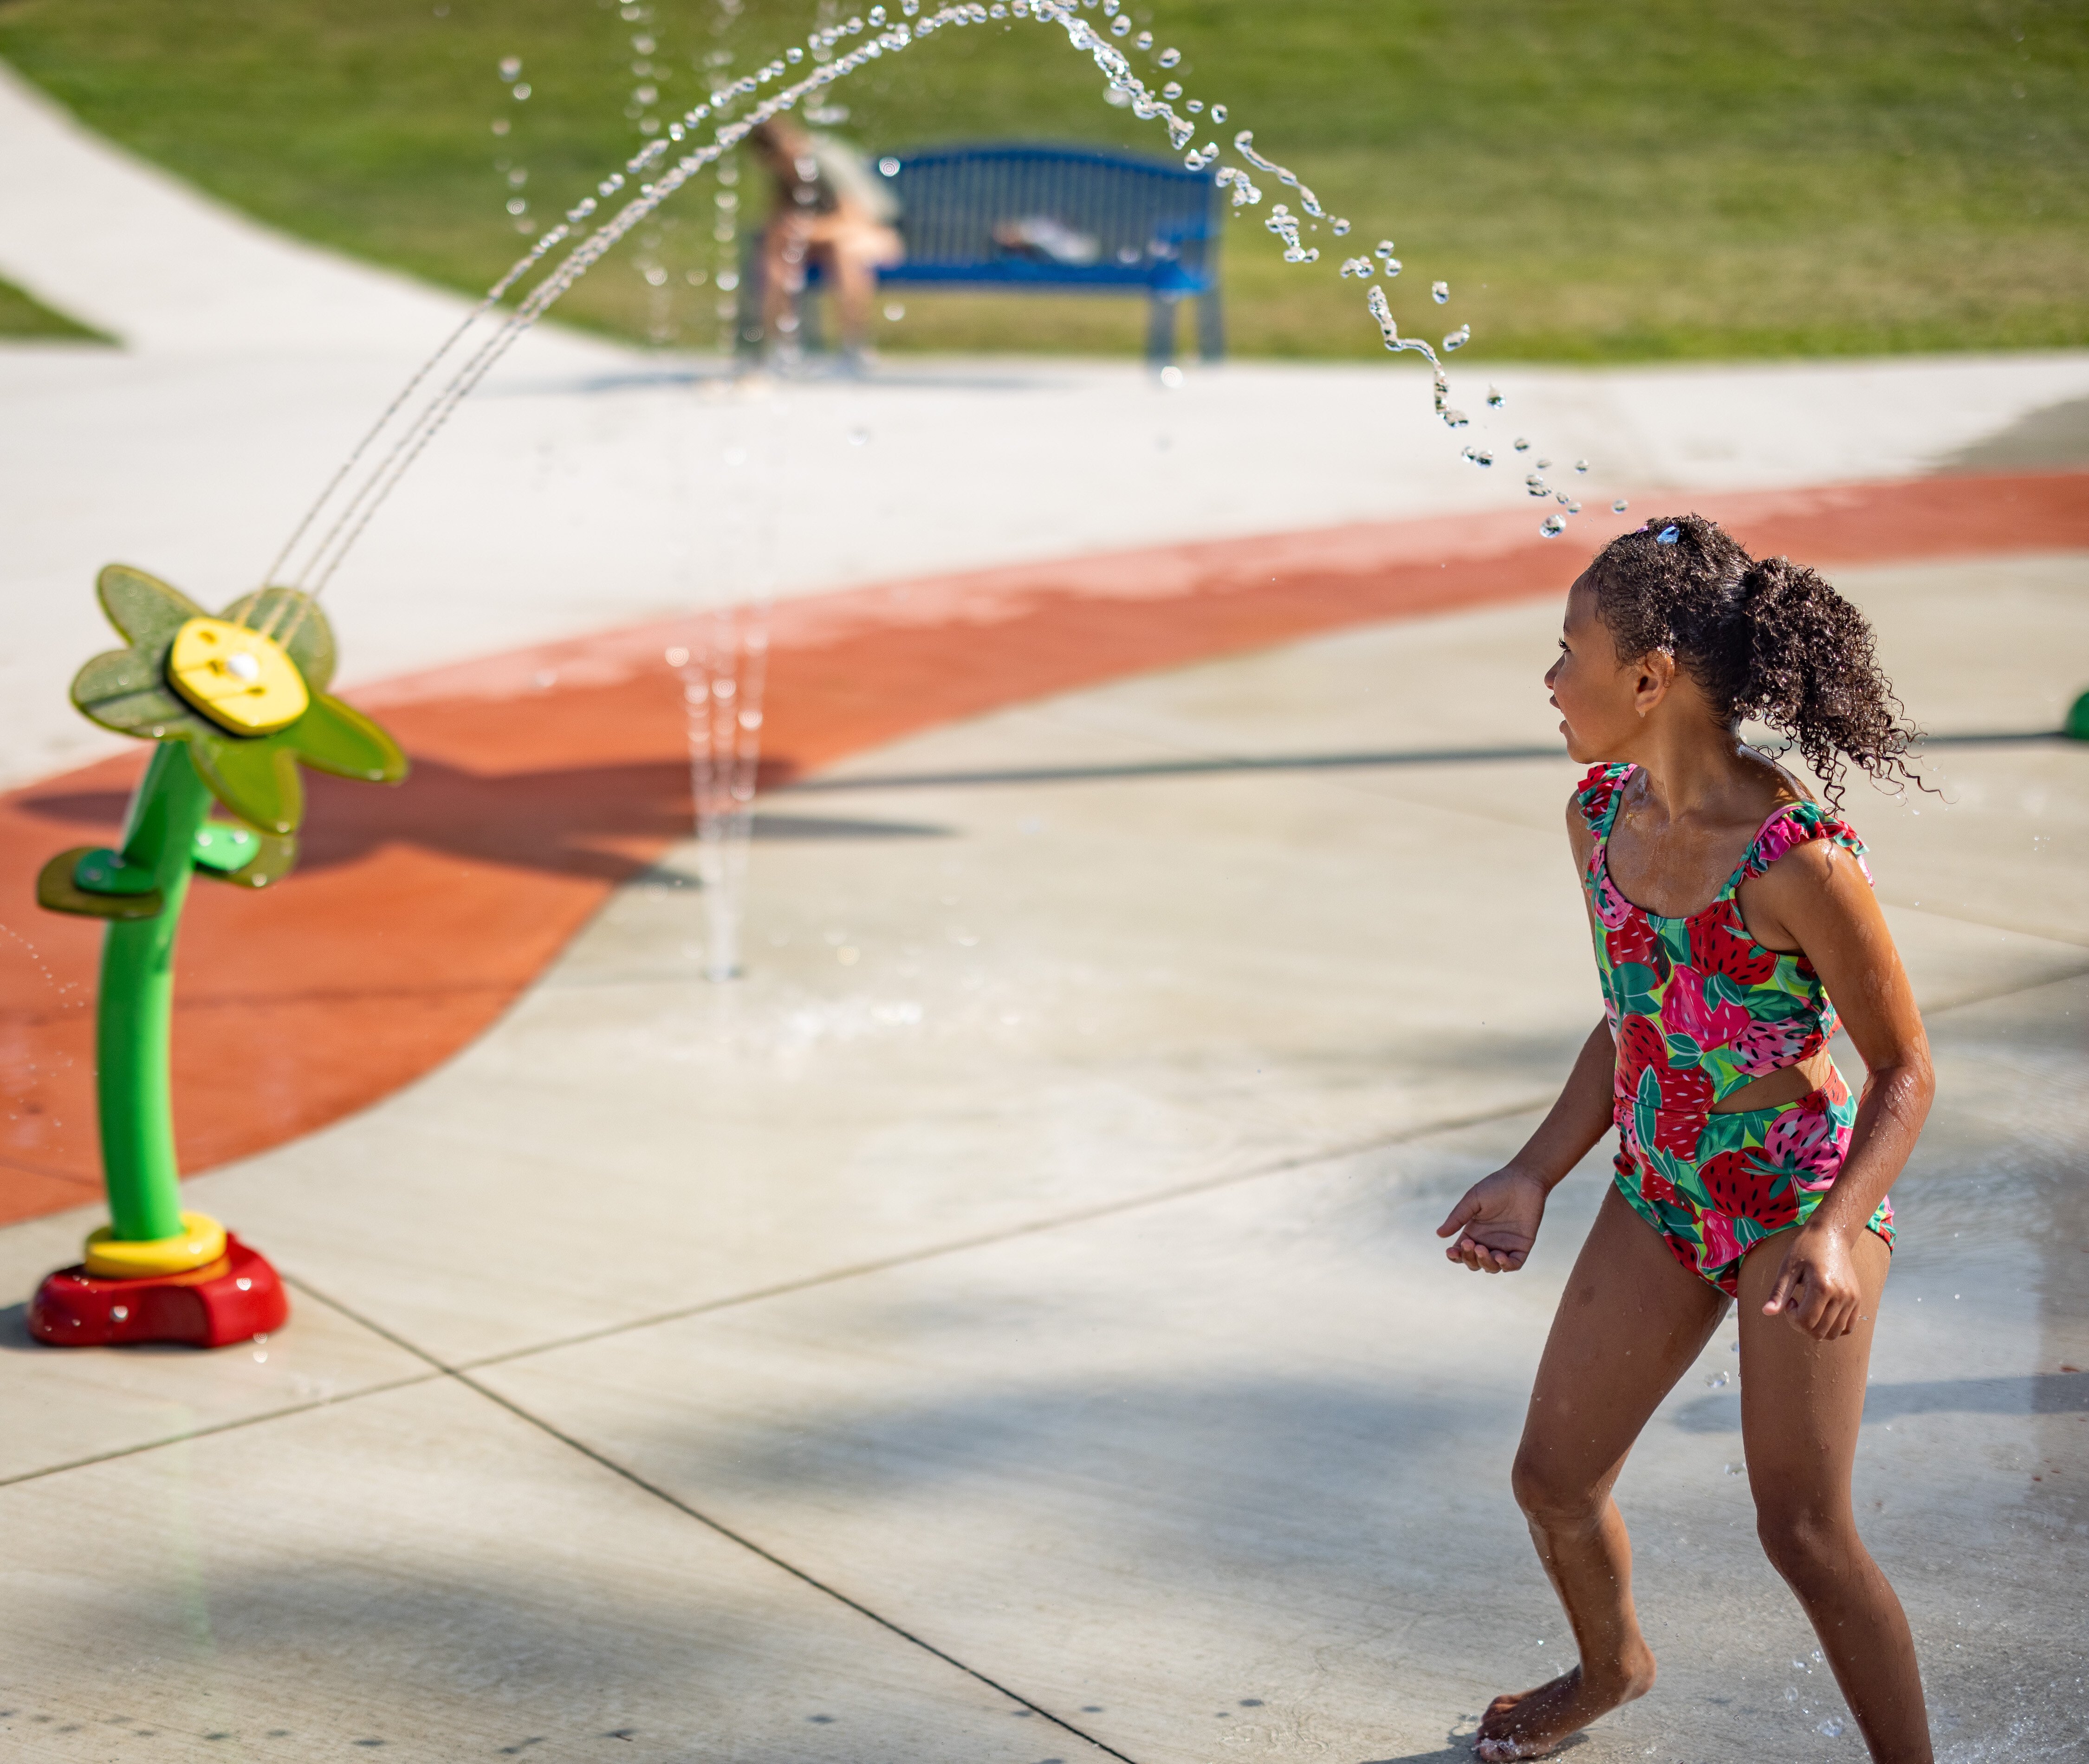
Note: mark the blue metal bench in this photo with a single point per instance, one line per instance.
(1128, 223)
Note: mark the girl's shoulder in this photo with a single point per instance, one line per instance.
(1796, 824)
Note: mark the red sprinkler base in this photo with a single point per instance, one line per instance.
(233, 1298)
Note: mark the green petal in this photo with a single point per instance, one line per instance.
(121, 690)
(337, 738)
(273, 857)
(145, 610)
(256, 777)
(294, 620)
(58, 892)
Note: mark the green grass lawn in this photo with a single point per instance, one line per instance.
(1634, 180)
(23, 315)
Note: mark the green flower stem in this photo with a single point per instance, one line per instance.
(132, 1030)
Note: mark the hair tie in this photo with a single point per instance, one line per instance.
(1667, 535)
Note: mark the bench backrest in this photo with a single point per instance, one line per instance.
(1139, 210)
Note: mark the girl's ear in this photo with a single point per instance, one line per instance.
(1653, 675)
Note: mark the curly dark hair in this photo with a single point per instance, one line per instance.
(1766, 638)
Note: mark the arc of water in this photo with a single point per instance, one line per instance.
(355, 516)
(1244, 145)
(493, 296)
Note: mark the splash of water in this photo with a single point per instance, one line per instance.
(660, 179)
(724, 676)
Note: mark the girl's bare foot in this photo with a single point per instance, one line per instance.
(1529, 1723)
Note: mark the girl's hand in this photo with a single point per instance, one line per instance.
(1816, 1285)
(1496, 1223)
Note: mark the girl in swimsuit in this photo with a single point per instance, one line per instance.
(1727, 908)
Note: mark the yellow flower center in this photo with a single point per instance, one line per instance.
(239, 679)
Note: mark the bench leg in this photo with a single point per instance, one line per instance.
(1212, 326)
(746, 323)
(1160, 330)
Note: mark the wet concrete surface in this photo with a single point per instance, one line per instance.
(1006, 1323)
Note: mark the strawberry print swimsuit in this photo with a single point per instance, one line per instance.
(1698, 1009)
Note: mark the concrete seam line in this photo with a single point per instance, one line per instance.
(1033, 1228)
(1972, 999)
(232, 1426)
(773, 1559)
(2067, 941)
(667, 1498)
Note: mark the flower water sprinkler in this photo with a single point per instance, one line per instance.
(234, 702)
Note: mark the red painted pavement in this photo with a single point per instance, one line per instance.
(419, 914)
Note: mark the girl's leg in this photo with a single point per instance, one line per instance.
(1630, 1323)
(1801, 1402)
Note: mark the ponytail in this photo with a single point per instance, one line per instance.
(1769, 639)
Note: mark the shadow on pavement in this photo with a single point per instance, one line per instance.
(568, 820)
(2042, 1393)
(1301, 762)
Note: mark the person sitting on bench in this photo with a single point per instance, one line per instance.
(831, 208)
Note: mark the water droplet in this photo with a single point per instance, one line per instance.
(894, 311)
(511, 67)
(1552, 527)
(677, 657)
(1619, 507)
(1457, 339)
(1737, 1469)
(1218, 113)
(119, 1312)
(1479, 456)
(1121, 26)
(1171, 376)
(522, 92)
(1339, 227)
(1144, 40)
(1172, 90)
(1169, 58)
(1522, 445)
(1715, 1379)
(1495, 401)
(1536, 485)
(1439, 292)
(1580, 465)
(1830, 1729)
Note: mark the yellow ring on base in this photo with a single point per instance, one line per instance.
(201, 1243)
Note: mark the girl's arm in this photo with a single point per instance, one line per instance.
(1817, 897)
(1497, 1222)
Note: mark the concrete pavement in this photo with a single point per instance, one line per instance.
(1025, 1276)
